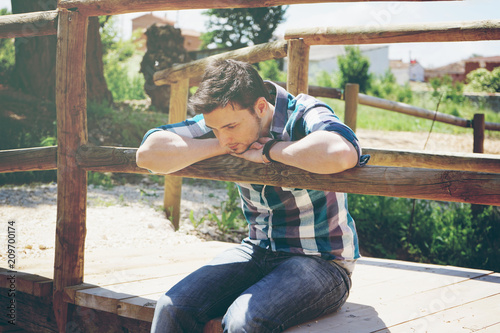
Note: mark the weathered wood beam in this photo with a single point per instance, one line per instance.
(71, 103)
(28, 24)
(489, 163)
(114, 7)
(408, 33)
(412, 110)
(298, 67)
(28, 159)
(251, 54)
(114, 159)
(431, 184)
(179, 94)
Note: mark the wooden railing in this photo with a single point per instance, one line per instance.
(463, 177)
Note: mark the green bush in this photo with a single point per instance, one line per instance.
(269, 70)
(428, 231)
(353, 68)
(482, 80)
(386, 87)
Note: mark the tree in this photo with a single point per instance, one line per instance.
(165, 47)
(239, 27)
(34, 69)
(354, 68)
(482, 80)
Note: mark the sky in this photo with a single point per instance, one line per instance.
(365, 14)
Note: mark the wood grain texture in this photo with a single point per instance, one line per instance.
(298, 67)
(407, 182)
(404, 33)
(71, 103)
(195, 69)
(28, 24)
(114, 7)
(28, 159)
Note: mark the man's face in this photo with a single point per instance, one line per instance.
(235, 128)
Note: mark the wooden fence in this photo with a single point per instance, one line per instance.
(454, 177)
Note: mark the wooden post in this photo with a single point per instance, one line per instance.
(71, 102)
(173, 185)
(478, 125)
(351, 105)
(298, 67)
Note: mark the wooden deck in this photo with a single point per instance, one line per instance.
(387, 295)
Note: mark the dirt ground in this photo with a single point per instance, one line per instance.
(131, 215)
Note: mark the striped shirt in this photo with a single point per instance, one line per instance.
(294, 220)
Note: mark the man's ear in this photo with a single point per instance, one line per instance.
(260, 107)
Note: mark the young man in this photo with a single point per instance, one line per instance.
(296, 262)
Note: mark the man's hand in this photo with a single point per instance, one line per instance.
(254, 152)
(319, 152)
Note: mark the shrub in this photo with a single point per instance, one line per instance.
(482, 80)
(353, 68)
(428, 231)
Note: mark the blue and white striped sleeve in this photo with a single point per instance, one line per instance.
(191, 128)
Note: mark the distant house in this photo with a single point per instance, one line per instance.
(192, 41)
(455, 70)
(458, 70)
(324, 58)
(489, 63)
(406, 72)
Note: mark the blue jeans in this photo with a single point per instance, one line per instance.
(255, 290)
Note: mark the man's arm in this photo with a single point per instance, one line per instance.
(167, 152)
(320, 152)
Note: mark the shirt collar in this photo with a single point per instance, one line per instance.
(280, 116)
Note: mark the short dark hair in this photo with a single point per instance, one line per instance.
(228, 82)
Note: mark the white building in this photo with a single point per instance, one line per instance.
(324, 58)
(406, 72)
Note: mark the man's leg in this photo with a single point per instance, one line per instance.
(207, 293)
(297, 290)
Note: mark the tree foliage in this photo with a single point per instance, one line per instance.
(482, 80)
(7, 51)
(354, 68)
(235, 28)
(165, 46)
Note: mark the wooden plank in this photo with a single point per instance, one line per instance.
(412, 110)
(28, 24)
(28, 159)
(441, 161)
(25, 282)
(117, 159)
(194, 69)
(404, 33)
(470, 317)
(381, 313)
(71, 103)
(107, 298)
(298, 67)
(179, 94)
(114, 7)
(141, 307)
(470, 187)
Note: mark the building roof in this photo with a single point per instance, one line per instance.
(484, 59)
(453, 68)
(151, 18)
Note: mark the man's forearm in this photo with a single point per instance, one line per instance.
(320, 152)
(166, 152)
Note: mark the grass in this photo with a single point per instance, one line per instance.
(378, 119)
